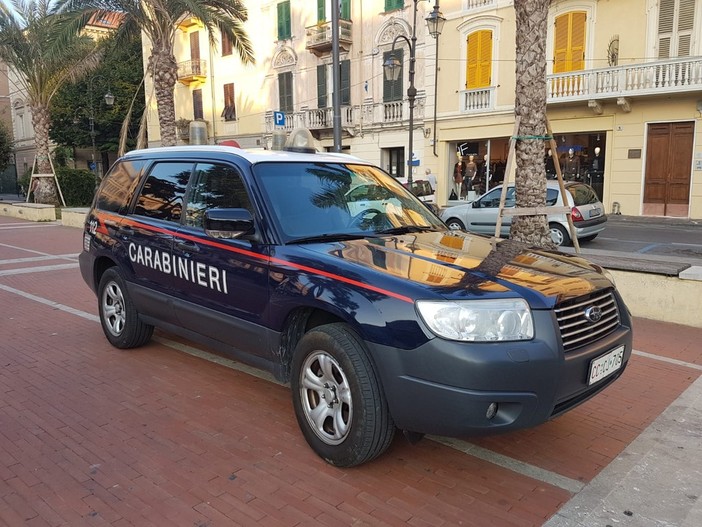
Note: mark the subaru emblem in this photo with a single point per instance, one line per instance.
(593, 314)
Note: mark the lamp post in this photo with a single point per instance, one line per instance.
(392, 66)
(109, 101)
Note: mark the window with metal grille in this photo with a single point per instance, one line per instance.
(229, 112)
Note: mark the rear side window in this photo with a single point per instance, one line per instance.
(117, 189)
(582, 195)
(161, 196)
(215, 187)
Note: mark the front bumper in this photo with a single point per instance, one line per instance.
(445, 387)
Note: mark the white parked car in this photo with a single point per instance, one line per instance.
(480, 215)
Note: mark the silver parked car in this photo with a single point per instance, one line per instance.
(480, 215)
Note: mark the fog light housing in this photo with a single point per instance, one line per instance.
(491, 411)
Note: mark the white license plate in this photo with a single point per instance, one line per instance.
(595, 212)
(605, 365)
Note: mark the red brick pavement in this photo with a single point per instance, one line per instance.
(90, 435)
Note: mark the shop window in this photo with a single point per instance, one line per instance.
(569, 42)
(479, 60)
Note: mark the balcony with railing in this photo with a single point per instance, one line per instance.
(679, 75)
(479, 4)
(319, 37)
(369, 115)
(477, 100)
(191, 71)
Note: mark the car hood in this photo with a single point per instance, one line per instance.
(459, 265)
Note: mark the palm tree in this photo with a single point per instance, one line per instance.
(530, 107)
(158, 21)
(28, 32)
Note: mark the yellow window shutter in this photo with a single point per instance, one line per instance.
(569, 42)
(577, 41)
(479, 60)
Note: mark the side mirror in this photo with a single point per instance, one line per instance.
(228, 223)
(476, 204)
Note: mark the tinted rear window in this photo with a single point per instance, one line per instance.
(582, 195)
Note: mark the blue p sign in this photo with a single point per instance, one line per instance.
(279, 118)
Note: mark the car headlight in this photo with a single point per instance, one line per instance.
(478, 320)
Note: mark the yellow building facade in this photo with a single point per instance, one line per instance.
(624, 90)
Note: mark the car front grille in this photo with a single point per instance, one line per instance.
(587, 319)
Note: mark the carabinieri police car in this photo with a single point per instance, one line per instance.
(325, 271)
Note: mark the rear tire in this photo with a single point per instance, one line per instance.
(455, 224)
(119, 318)
(339, 403)
(559, 235)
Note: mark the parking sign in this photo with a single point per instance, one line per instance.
(279, 118)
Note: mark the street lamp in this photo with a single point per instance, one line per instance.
(392, 67)
(109, 102)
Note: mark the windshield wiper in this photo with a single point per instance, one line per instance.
(407, 229)
(335, 237)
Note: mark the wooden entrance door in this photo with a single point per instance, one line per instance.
(668, 166)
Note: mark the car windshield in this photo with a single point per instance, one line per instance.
(335, 200)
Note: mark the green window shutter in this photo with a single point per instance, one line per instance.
(284, 31)
(285, 92)
(321, 11)
(345, 10)
(394, 4)
(392, 91)
(345, 74)
(321, 86)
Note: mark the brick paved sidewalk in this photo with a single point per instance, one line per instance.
(90, 435)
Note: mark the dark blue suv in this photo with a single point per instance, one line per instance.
(325, 271)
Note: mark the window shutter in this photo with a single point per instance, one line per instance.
(345, 74)
(569, 42)
(392, 91)
(226, 45)
(321, 11)
(197, 104)
(284, 31)
(345, 10)
(676, 23)
(285, 94)
(321, 86)
(479, 60)
(229, 112)
(577, 41)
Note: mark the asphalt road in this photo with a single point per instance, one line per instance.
(651, 237)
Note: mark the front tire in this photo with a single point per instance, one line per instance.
(339, 403)
(119, 318)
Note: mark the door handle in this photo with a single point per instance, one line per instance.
(188, 247)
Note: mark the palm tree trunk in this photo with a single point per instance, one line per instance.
(530, 105)
(165, 74)
(44, 188)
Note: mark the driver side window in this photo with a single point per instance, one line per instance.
(215, 187)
